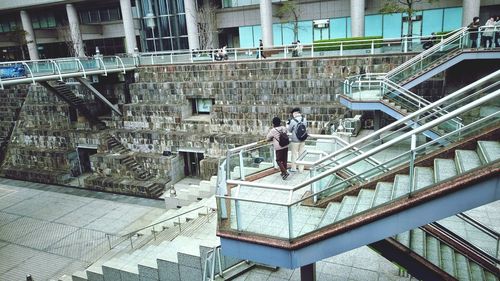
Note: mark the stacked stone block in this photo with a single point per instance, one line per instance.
(11, 101)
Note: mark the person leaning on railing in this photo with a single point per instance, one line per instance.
(497, 31)
(488, 32)
(473, 31)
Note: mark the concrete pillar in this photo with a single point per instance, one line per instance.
(470, 10)
(128, 26)
(266, 22)
(74, 29)
(308, 272)
(29, 35)
(357, 18)
(377, 120)
(192, 24)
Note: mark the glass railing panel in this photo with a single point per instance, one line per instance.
(234, 167)
(90, 64)
(67, 66)
(41, 68)
(264, 219)
(472, 233)
(257, 159)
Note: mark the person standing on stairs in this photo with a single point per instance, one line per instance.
(298, 141)
(274, 135)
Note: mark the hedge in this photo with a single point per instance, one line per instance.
(334, 44)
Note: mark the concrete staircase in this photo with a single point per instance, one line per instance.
(177, 251)
(190, 191)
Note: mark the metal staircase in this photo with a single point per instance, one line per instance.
(62, 90)
(138, 170)
(416, 181)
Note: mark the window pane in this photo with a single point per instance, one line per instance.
(114, 14)
(373, 25)
(277, 34)
(305, 32)
(51, 21)
(287, 30)
(338, 28)
(94, 16)
(164, 27)
(177, 6)
(432, 21)
(246, 37)
(257, 34)
(181, 28)
(392, 25)
(452, 18)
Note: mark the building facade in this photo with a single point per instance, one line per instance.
(58, 28)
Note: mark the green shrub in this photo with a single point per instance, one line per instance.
(334, 44)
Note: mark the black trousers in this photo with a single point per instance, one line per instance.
(282, 159)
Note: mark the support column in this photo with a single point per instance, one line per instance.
(357, 18)
(29, 35)
(377, 120)
(266, 22)
(308, 272)
(192, 24)
(470, 10)
(74, 29)
(128, 26)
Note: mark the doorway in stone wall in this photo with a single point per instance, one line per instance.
(192, 163)
(84, 153)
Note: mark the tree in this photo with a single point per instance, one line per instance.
(289, 12)
(403, 6)
(65, 35)
(18, 36)
(207, 25)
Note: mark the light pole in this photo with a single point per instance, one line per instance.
(150, 23)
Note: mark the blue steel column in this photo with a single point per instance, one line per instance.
(266, 22)
(29, 35)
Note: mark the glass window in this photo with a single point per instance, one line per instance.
(114, 14)
(84, 17)
(182, 28)
(287, 30)
(104, 15)
(392, 25)
(94, 16)
(166, 44)
(373, 25)
(164, 27)
(257, 34)
(177, 6)
(162, 7)
(338, 28)
(305, 32)
(246, 36)
(432, 21)
(348, 27)
(452, 18)
(35, 22)
(277, 39)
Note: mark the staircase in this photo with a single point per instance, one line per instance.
(175, 250)
(62, 90)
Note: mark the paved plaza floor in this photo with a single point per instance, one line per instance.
(48, 231)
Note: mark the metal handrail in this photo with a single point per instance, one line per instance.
(377, 149)
(412, 116)
(455, 34)
(130, 234)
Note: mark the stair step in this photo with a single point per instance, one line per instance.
(476, 271)
(404, 238)
(417, 239)
(383, 193)
(424, 176)
(463, 268)
(401, 186)
(346, 207)
(432, 250)
(489, 151)
(444, 169)
(329, 214)
(448, 260)
(467, 160)
(364, 201)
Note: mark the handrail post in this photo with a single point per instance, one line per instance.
(238, 214)
(57, 68)
(290, 222)
(312, 50)
(130, 239)
(109, 241)
(179, 221)
(121, 62)
(341, 48)
(103, 66)
(171, 58)
(235, 55)
(373, 47)
(412, 161)
(154, 233)
(83, 68)
(242, 168)
(191, 55)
